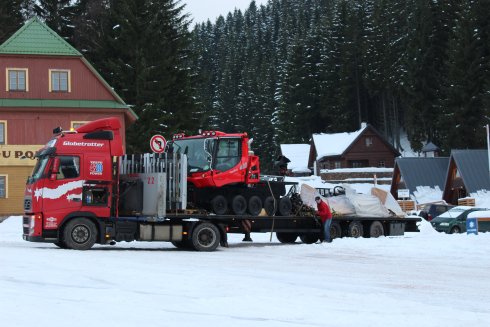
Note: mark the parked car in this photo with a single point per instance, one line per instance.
(454, 220)
(431, 210)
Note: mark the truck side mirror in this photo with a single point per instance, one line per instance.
(55, 169)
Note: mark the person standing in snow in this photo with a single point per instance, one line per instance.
(326, 217)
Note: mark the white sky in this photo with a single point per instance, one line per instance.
(202, 10)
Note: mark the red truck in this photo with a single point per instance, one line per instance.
(84, 190)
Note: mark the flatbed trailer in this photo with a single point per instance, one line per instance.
(84, 190)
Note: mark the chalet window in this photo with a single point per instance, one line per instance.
(76, 124)
(369, 141)
(381, 164)
(3, 186)
(358, 163)
(3, 132)
(337, 165)
(17, 79)
(59, 80)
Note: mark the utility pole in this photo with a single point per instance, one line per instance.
(488, 147)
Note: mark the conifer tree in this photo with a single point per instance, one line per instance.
(10, 17)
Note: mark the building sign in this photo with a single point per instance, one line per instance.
(403, 193)
(18, 155)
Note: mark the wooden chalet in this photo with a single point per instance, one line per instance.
(363, 148)
(410, 173)
(468, 173)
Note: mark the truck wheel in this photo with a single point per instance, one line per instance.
(205, 237)
(285, 206)
(335, 230)
(79, 234)
(308, 238)
(61, 244)
(376, 229)
(286, 237)
(254, 205)
(269, 206)
(355, 229)
(219, 205)
(184, 245)
(239, 204)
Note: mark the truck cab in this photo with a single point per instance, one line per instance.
(73, 176)
(216, 159)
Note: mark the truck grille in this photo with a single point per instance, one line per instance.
(27, 204)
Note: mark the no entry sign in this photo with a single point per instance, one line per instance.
(157, 143)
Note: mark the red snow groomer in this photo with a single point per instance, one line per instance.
(224, 175)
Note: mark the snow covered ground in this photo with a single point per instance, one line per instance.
(421, 279)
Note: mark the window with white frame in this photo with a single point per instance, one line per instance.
(369, 141)
(3, 186)
(3, 132)
(381, 164)
(17, 79)
(76, 124)
(59, 80)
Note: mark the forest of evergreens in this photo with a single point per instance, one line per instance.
(287, 69)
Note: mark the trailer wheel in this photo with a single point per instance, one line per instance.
(376, 229)
(239, 204)
(308, 238)
(205, 237)
(335, 230)
(270, 206)
(79, 234)
(285, 206)
(355, 229)
(286, 237)
(254, 205)
(219, 205)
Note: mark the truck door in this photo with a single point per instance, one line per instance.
(228, 157)
(62, 191)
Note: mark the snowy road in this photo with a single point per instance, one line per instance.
(422, 279)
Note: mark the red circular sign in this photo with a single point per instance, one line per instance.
(157, 143)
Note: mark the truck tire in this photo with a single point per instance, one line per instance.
(219, 205)
(79, 234)
(205, 237)
(286, 237)
(61, 244)
(335, 230)
(376, 229)
(355, 229)
(254, 205)
(308, 238)
(285, 206)
(239, 205)
(270, 206)
(184, 245)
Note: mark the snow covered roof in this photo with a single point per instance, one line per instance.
(298, 154)
(327, 145)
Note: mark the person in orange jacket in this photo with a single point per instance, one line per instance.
(326, 217)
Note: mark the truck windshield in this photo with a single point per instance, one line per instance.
(198, 159)
(38, 170)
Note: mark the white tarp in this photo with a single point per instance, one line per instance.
(351, 203)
